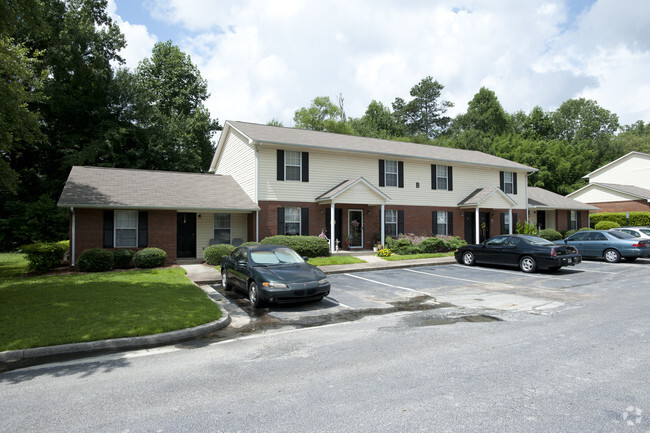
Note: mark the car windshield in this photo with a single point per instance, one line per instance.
(534, 240)
(620, 235)
(278, 256)
(645, 231)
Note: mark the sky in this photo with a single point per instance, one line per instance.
(265, 59)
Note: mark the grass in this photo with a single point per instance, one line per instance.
(417, 256)
(334, 260)
(41, 311)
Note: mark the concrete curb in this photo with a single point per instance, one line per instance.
(116, 343)
(366, 267)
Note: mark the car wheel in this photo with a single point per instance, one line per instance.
(468, 258)
(527, 264)
(254, 295)
(224, 280)
(612, 256)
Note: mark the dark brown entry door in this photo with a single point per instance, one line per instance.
(185, 234)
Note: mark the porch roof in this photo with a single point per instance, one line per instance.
(540, 198)
(348, 185)
(118, 188)
(481, 195)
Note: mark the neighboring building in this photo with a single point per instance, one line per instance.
(547, 210)
(274, 180)
(620, 186)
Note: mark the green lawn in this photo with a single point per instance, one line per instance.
(334, 260)
(417, 256)
(40, 311)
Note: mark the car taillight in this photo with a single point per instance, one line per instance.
(575, 249)
(553, 252)
(639, 244)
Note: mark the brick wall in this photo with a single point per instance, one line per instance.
(624, 206)
(90, 231)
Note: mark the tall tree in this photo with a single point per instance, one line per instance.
(321, 115)
(583, 119)
(484, 114)
(424, 114)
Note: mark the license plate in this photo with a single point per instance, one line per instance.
(570, 261)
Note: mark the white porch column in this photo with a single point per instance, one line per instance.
(332, 232)
(510, 219)
(382, 223)
(478, 227)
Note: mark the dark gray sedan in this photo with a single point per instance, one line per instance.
(273, 273)
(611, 245)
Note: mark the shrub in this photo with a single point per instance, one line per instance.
(454, 243)
(95, 260)
(606, 225)
(639, 219)
(150, 258)
(214, 253)
(408, 249)
(384, 252)
(526, 229)
(122, 258)
(249, 243)
(567, 233)
(432, 245)
(617, 217)
(395, 243)
(43, 256)
(550, 235)
(305, 246)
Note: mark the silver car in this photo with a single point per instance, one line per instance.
(637, 232)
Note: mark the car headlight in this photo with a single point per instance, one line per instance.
(323, 282)
(274, 285)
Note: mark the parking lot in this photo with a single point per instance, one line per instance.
(457, 289)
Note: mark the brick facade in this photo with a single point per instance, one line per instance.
(89, 231)
(623, 206)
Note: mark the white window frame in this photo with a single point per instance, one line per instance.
(295, 221)
(508, 181)
(130, 219)
(391, 173)
(441, 222)
(391, 217)
(506, 224)
(216, 218)
(290, 154)
(442, 174)
(573, 220)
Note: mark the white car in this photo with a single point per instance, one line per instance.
(637, 232)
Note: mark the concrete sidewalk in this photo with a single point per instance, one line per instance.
(203, 274)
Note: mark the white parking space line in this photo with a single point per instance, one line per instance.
(513, 273)
(454, 278)
(386, 284)
(334, 301)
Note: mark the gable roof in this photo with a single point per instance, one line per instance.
(540, 198)
(607, 166)
(346, 185)
(479, 195)
(634, 191)
(396, 149)
(118, 188)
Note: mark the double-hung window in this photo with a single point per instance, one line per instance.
(573, 220)
(126, 228)
(292, 165)
(508, 184)
(222, 233)
(391, 172)
(441, 223)
(390, 222)
(291, 221)
(441, 177)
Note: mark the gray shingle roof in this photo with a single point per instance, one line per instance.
(542, 198)
(328, 140)
(345, 185)
(117, 188)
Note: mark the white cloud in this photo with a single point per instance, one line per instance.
(139, 42)
(266, 59)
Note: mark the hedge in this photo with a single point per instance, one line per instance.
(606, 225)
(123, 258)
(150, 258)
(214, 253)
(636, 218)
(550, 234)
(44, 256)
(95, 260)
(305, 246)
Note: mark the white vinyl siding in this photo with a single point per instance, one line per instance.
(633, 170)
(328, 169)
(238, 160)
(597, 194)
(205, 229)
(126, 228)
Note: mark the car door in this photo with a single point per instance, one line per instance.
(578, 240)
(596, 244)
(239, 270)
(492, 250)
(511, 250)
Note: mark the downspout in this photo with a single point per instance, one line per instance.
(72, 238)
(257, 180)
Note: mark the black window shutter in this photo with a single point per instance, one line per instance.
(305, 166)
(434, 219)
(400, 174)
(514, 183)
(501, 182)
(280, 164)
(579, 220)
(108, 229)
(450, 223)
(504, 229)
(382, 173)
(434, 180)
(514, 222)
(400, 221)
(568, 220)
(143, 229)
(304, 221)
(281, 230)
(450, 179)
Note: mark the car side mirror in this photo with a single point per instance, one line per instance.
(305, 258)
(242, 262)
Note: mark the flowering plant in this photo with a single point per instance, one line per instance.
(384, 252)
(355, 223)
